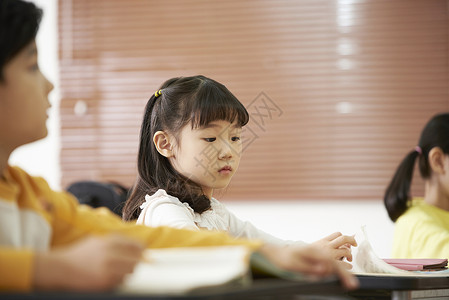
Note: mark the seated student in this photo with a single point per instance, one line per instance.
(189, 146)
(47, 240)
(422, 224)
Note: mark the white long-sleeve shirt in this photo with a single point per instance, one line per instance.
(161, 209)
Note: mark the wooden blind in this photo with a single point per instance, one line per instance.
(338, 91)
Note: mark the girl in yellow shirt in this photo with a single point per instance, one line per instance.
(422, 225)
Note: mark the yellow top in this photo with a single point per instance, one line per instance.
(33, 217)
(422, 232)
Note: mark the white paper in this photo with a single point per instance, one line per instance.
(179, 270)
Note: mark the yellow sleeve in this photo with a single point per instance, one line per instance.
(72, 221)
(15, 269)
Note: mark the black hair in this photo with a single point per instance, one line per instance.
(19, 23)
(434, 134)
(197, 100)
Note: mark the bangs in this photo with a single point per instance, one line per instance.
(215, 102)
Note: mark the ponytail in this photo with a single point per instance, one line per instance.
(434, 134)
(398, 192)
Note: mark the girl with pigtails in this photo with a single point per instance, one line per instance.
(422, 224)
(190, 145)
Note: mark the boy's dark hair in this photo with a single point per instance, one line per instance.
(19, 23)
(434, 134)
(197, 100)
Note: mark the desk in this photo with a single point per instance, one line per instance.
(402, 287)
(371, 288)
(261, 289)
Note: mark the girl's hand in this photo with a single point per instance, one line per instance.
(310, 260)
(92, 264)
(338, 246)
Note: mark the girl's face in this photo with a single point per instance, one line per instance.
(210, 155)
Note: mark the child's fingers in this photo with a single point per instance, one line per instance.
(343, 240)
(341, 253)
(312, 262)
(123, 254)
(348, 279)
(122, 267)
(345, 265)
(125, 245)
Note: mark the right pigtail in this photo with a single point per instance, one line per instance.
(398, 192)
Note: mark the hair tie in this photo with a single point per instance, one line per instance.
(157, 93)
(418, 149)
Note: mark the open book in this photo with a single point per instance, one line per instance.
(180, 270)
(174, 271)
(366, 262)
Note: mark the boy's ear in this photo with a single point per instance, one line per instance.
(436, 160)
(162, 142)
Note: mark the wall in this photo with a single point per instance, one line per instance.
(312, 220)
(337, 91)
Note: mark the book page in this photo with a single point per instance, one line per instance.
(172, 271)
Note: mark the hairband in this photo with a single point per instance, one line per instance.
(157, 93)
(418, 149)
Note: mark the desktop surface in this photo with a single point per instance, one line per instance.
(266, 289)
(371, 287)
